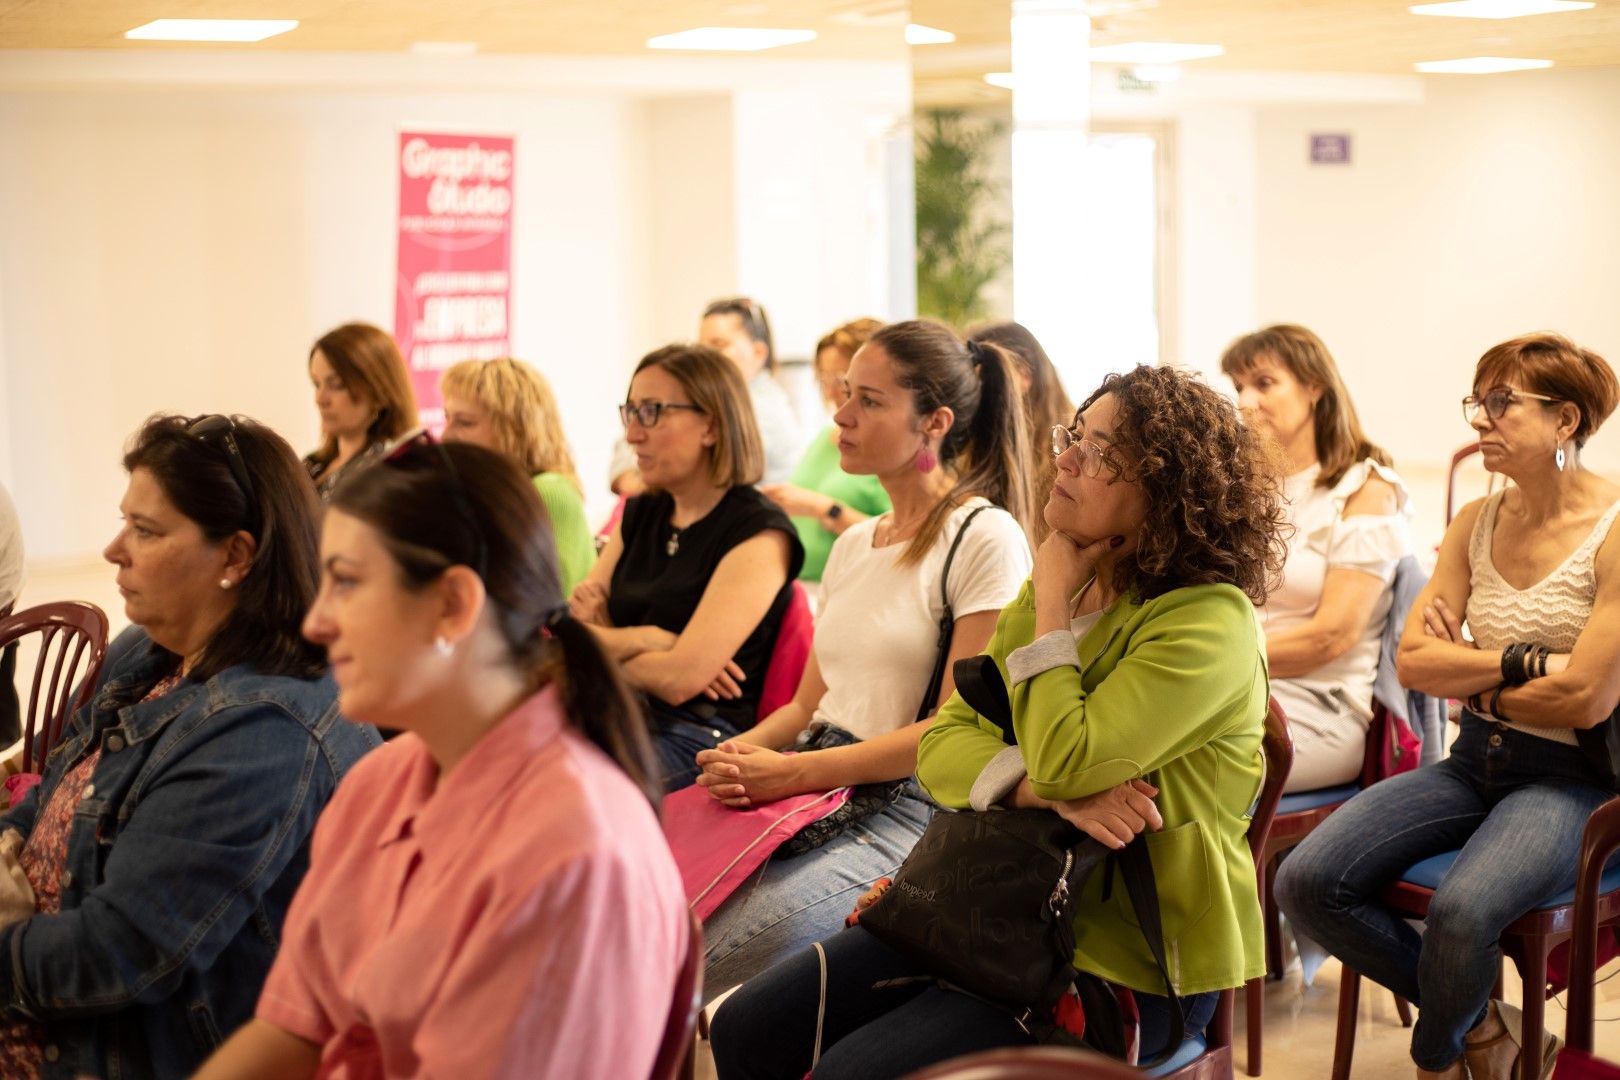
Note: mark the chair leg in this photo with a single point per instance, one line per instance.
(1403, 1009)
(1254, 1013)
(1273, 923)
(1344, 1036)
(1535, 1008)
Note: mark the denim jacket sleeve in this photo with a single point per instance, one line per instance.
(226, 801)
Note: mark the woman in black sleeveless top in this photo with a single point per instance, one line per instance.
(690, 591)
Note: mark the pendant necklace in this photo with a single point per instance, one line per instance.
(673, 544)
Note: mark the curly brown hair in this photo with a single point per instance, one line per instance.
(1213, 488)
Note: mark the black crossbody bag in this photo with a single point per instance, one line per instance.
(986, 900)
(868, 799)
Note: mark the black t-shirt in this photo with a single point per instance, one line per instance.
(651, 587)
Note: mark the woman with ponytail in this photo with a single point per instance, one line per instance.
(489, 894)
(940, 423)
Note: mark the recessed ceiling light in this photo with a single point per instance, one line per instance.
(444, 48)
(1498, 9)
(1480, 65)
(1153, 52)
(730, 39)
(1002, 79)
(918, 34)
(211, 29)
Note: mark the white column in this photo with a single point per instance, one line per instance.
(1051, 110)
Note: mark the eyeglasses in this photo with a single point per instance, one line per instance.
(1091, 455)
(216, 429)
(648, 412)
(1496, 402)
(422, 438)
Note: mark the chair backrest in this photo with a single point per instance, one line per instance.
(73, 642)
(1599, 840)
(680, 1030)
(789, 654)
(1457, 461)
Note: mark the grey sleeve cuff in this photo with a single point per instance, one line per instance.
(1051, 650)
(998, 779)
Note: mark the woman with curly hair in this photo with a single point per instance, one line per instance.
(1132, 652)
(1325, 623)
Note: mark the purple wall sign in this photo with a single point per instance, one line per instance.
(1330, 149)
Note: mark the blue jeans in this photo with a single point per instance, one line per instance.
(792, 902)
(1513, 803)
(677, 736)
(885, 1017)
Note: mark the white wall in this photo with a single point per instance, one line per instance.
(176, 229)
(1485, 212)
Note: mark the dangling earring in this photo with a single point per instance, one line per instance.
(926, 459)
(1558, 457)
(226, 582)
(442, 644)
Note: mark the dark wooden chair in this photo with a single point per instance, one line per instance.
(72, 644)
(1528, 940)
(1593, 908)
(1297, 814)
(1208, 1058)
(676, 1054)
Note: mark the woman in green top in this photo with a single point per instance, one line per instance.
(822, 499)
(1136, 670)
(507, 406)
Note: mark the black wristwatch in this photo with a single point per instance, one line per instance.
(834, 512)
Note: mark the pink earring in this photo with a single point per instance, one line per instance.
(926, 460)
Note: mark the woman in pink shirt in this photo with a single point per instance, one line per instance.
(490, 894)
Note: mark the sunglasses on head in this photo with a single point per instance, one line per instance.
(421, 438)
(219, 430)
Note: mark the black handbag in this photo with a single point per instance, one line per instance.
(986, 899)
(868, 799)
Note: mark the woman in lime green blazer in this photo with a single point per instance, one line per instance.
(1136, 669)
(506, 406)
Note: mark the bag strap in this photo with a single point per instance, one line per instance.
(1136, 868)
(947, 621)
(979, 681)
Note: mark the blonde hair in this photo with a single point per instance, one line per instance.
(522, 412)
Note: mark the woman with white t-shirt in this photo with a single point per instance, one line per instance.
(940, 423)
(1348, 511)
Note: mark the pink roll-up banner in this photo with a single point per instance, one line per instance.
(454, 287)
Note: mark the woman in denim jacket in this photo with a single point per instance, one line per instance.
(172, 825)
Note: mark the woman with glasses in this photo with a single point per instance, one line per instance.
(1347, 509)
(1534, 572)
(364, 396)
(692, 586)
(506, 406)
(1132, 651)
(163, 845)
(824, 500)
(490, 894)
(938, 422)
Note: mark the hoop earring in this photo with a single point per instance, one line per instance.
(926, 460)
(442, 644)
(1558, 457)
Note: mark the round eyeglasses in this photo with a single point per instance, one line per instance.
(1495, 402)
(1091, 455)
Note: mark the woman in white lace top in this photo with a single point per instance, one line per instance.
(1348, 511)
(1535, 572)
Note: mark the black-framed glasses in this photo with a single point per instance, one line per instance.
(1496, 400)
(648, 412)
(1091, 455)
(217, 429)
(422, 438)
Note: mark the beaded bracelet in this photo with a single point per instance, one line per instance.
(1514, 672)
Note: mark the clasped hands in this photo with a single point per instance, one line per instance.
(588, 604)
(1113, 818)
(739, 774)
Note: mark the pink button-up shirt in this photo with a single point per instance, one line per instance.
(525, 919)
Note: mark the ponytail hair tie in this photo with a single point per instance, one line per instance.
(554, 618)
(976, 350)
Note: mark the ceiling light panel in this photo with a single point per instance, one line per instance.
(730, 39)
(1499, 9)
(1153, 52)
(918, 34)
(210, 29)
(1480, 65)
